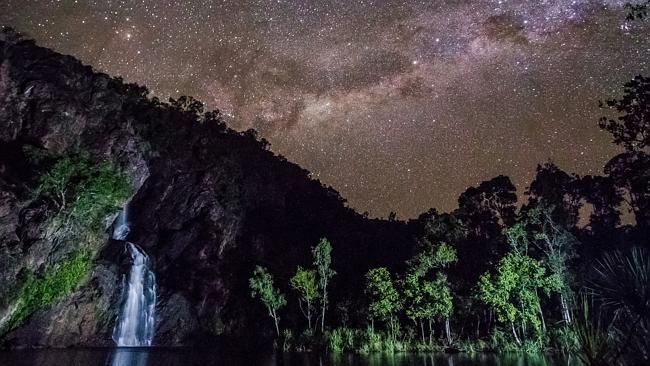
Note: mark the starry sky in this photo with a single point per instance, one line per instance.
(399, 105)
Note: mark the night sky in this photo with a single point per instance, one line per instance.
(399, 105)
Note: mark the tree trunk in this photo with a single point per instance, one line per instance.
(322, 318)
(565, 309)
(422, 331)
(448, 331)
(541, 316)
(275, 319)
(309, 315)
(514, 333)
(430, 333)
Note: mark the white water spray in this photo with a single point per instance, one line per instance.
(135, 322)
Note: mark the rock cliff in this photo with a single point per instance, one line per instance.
(208, 204)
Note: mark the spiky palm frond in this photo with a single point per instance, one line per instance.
(622, 282)
(594, 340)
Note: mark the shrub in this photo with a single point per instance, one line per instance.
(341, 339)
(335, 340)
(372, 341)
(287, 340)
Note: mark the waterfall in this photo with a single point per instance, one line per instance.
(121, 225)
(135, 322)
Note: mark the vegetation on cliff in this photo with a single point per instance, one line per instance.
(83, 194)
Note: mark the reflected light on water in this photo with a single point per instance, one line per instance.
(129, 357)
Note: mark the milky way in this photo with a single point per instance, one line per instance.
(399, 105)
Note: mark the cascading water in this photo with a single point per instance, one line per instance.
(135, 322)
(121, 226)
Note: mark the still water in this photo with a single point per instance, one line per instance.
(202, 357)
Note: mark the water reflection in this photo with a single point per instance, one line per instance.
(208, 357)
(129, 357)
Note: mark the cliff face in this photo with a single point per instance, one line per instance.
(208, 205)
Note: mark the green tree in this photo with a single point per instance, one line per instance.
(416, 297)
(557, 245)
(538, 228)
(304, 281)
(513, 292)
(385, 301)
(323, 262)
(429, 295)
(261, 285)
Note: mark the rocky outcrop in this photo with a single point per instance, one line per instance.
(209, 204)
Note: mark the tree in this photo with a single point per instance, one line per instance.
(63, 177)
(605, 198)
(10, 35)
(513, 292)
(441, 305)
(539, 229)
(323, 261)
(484, 211)
(187, 104)
(384, 299)
(427, 297)
(558, 247)
(557, 188)
(84, 191)
(632, 128)
(631, 173)
(304, 281)
(416, 296)
(261, 285)
(637, 11)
